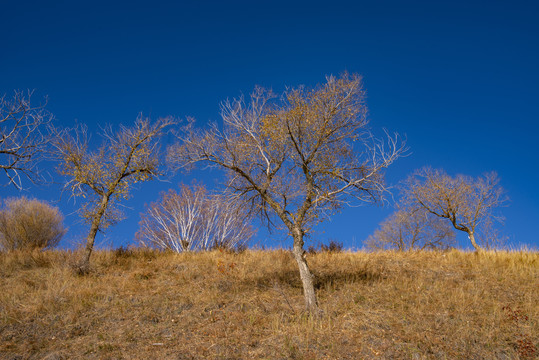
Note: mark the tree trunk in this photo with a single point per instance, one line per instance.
(90, 239)
(311, 303)
(474, 243)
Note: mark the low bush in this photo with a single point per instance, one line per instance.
(27, 224)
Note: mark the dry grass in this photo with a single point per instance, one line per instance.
(148, 305)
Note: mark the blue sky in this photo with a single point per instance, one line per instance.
(459, 78)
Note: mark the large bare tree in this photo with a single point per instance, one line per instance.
(194, 219)
(22, 136)
(298, 157)
(106, 175)
(465, 201)
(412, 229)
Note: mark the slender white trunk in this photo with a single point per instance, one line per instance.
(474, 243)
(311, 303)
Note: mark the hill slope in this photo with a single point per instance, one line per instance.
(149, 305)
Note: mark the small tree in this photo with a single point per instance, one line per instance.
(412, 230)
(30, 224)
(22, 137)
(297, 158)
(105, 176)
(491, 236)
(194, 220)
(465, 201)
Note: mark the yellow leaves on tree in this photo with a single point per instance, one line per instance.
(297, 157)
(106, 175)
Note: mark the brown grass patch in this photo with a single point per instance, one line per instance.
(139, 304)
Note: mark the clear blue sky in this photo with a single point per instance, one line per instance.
(459, 78)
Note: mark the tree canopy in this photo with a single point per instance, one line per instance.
(297, 157)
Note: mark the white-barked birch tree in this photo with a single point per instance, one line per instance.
(194, 219)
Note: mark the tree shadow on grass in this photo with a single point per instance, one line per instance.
(337, 278)
(321, 280)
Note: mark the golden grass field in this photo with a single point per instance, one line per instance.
(142, 304)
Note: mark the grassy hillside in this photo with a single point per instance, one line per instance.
(149, 305)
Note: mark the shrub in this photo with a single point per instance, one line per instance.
(333, 247)
(27, 224)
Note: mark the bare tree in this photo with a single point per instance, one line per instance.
(30, 224)
(491, 236)
(105, 176)
(465, 201)
(299, 157)
(22, 137)
(174, 222)
(412, 229)
(194, 220)
(231, 224)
